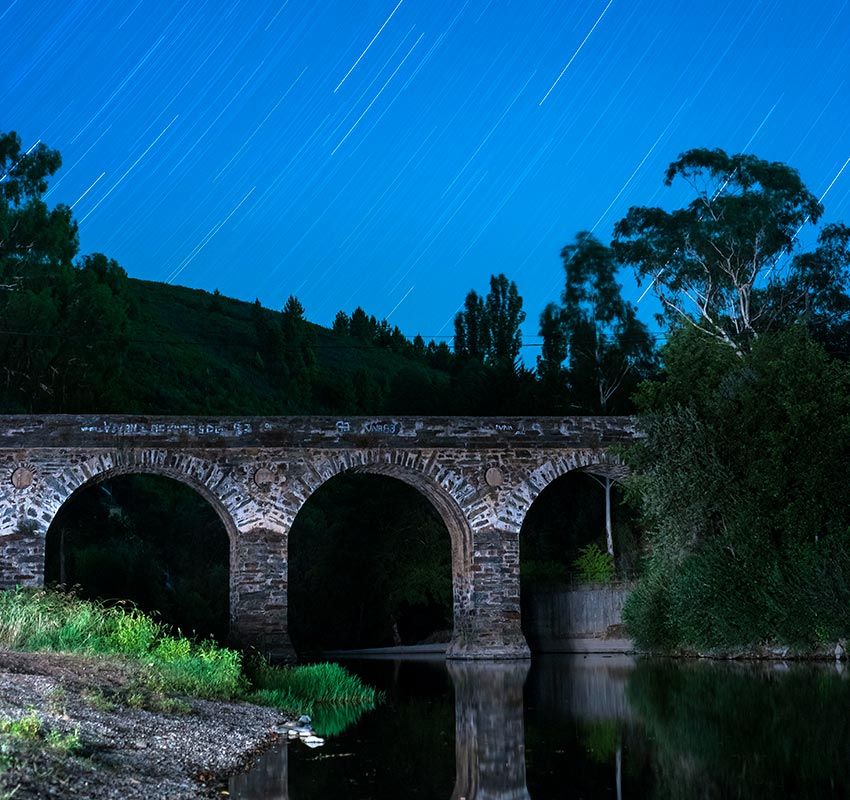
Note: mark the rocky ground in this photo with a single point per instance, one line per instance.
(102, 735)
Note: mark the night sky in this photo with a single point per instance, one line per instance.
(395, 154)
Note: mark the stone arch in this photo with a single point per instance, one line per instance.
(192, 471)
(552, 466)
(444, 488)
(218, 484)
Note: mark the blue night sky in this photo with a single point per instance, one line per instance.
(395, 154)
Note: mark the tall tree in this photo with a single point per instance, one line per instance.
(723, 263)
(298, 354)
(504, 316)
(472, 333)
(360, 326)
(31, 235)
(63, 332)
(609, 349)
(488, 329)
(550, 363)
(342, 323)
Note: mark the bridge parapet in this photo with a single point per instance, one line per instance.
(313, 432)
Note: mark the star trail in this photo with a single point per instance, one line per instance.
(395, 154)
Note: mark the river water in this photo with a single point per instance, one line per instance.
(577, 727)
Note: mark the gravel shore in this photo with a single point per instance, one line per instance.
(132, 744)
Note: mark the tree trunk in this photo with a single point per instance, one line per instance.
(63, 576)
(619, 772)
(609, 532)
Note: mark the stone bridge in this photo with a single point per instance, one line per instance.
(480, 474)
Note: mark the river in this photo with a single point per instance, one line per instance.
(577, 727)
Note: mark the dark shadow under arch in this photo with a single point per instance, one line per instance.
(567, 515)
(374, 559)
(151, 538)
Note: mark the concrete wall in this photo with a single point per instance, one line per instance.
(551, 616)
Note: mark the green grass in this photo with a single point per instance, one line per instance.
(332, 696)
(30, 729)
(53, 621)
(40, 620)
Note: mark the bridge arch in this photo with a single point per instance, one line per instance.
(151, 539)
(194, 472)
(445, 490)
(257, 567)
(554, 466)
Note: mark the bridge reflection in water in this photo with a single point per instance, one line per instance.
(489, 705)
(489, 730)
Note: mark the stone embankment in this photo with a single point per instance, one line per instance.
(125, 743)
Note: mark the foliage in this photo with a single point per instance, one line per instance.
(333, 697)
(31, 235)
(80, 336)
(594, 565)
(568, 515)
(150, 540)
(30, 730)
(553, 354)
(593, 342)
(318, 684)
(298, 356)
(488, 329)
(743, 484)
(168, 664)
(40, 620)
(724, 263)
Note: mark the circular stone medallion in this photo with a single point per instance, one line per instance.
(494, 477)
(263, 477)
(22, 478)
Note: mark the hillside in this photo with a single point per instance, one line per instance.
(192, 353)
(186, 351)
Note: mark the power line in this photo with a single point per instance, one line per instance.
(253, 345)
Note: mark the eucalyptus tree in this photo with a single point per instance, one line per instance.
(608, 349)
(725, 263)
(31, 234)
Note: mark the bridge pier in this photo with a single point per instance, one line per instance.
(489, 731)
(488, 625)
(22, 557)
(258, 593)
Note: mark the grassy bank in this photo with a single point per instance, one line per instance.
(173, 665)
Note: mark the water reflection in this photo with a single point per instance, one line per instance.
(489, 730)
(267, 780)
(580, 727)
(743, 731)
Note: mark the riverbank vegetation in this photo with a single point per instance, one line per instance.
(165, 664)
(742, 731)
(743, 476)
